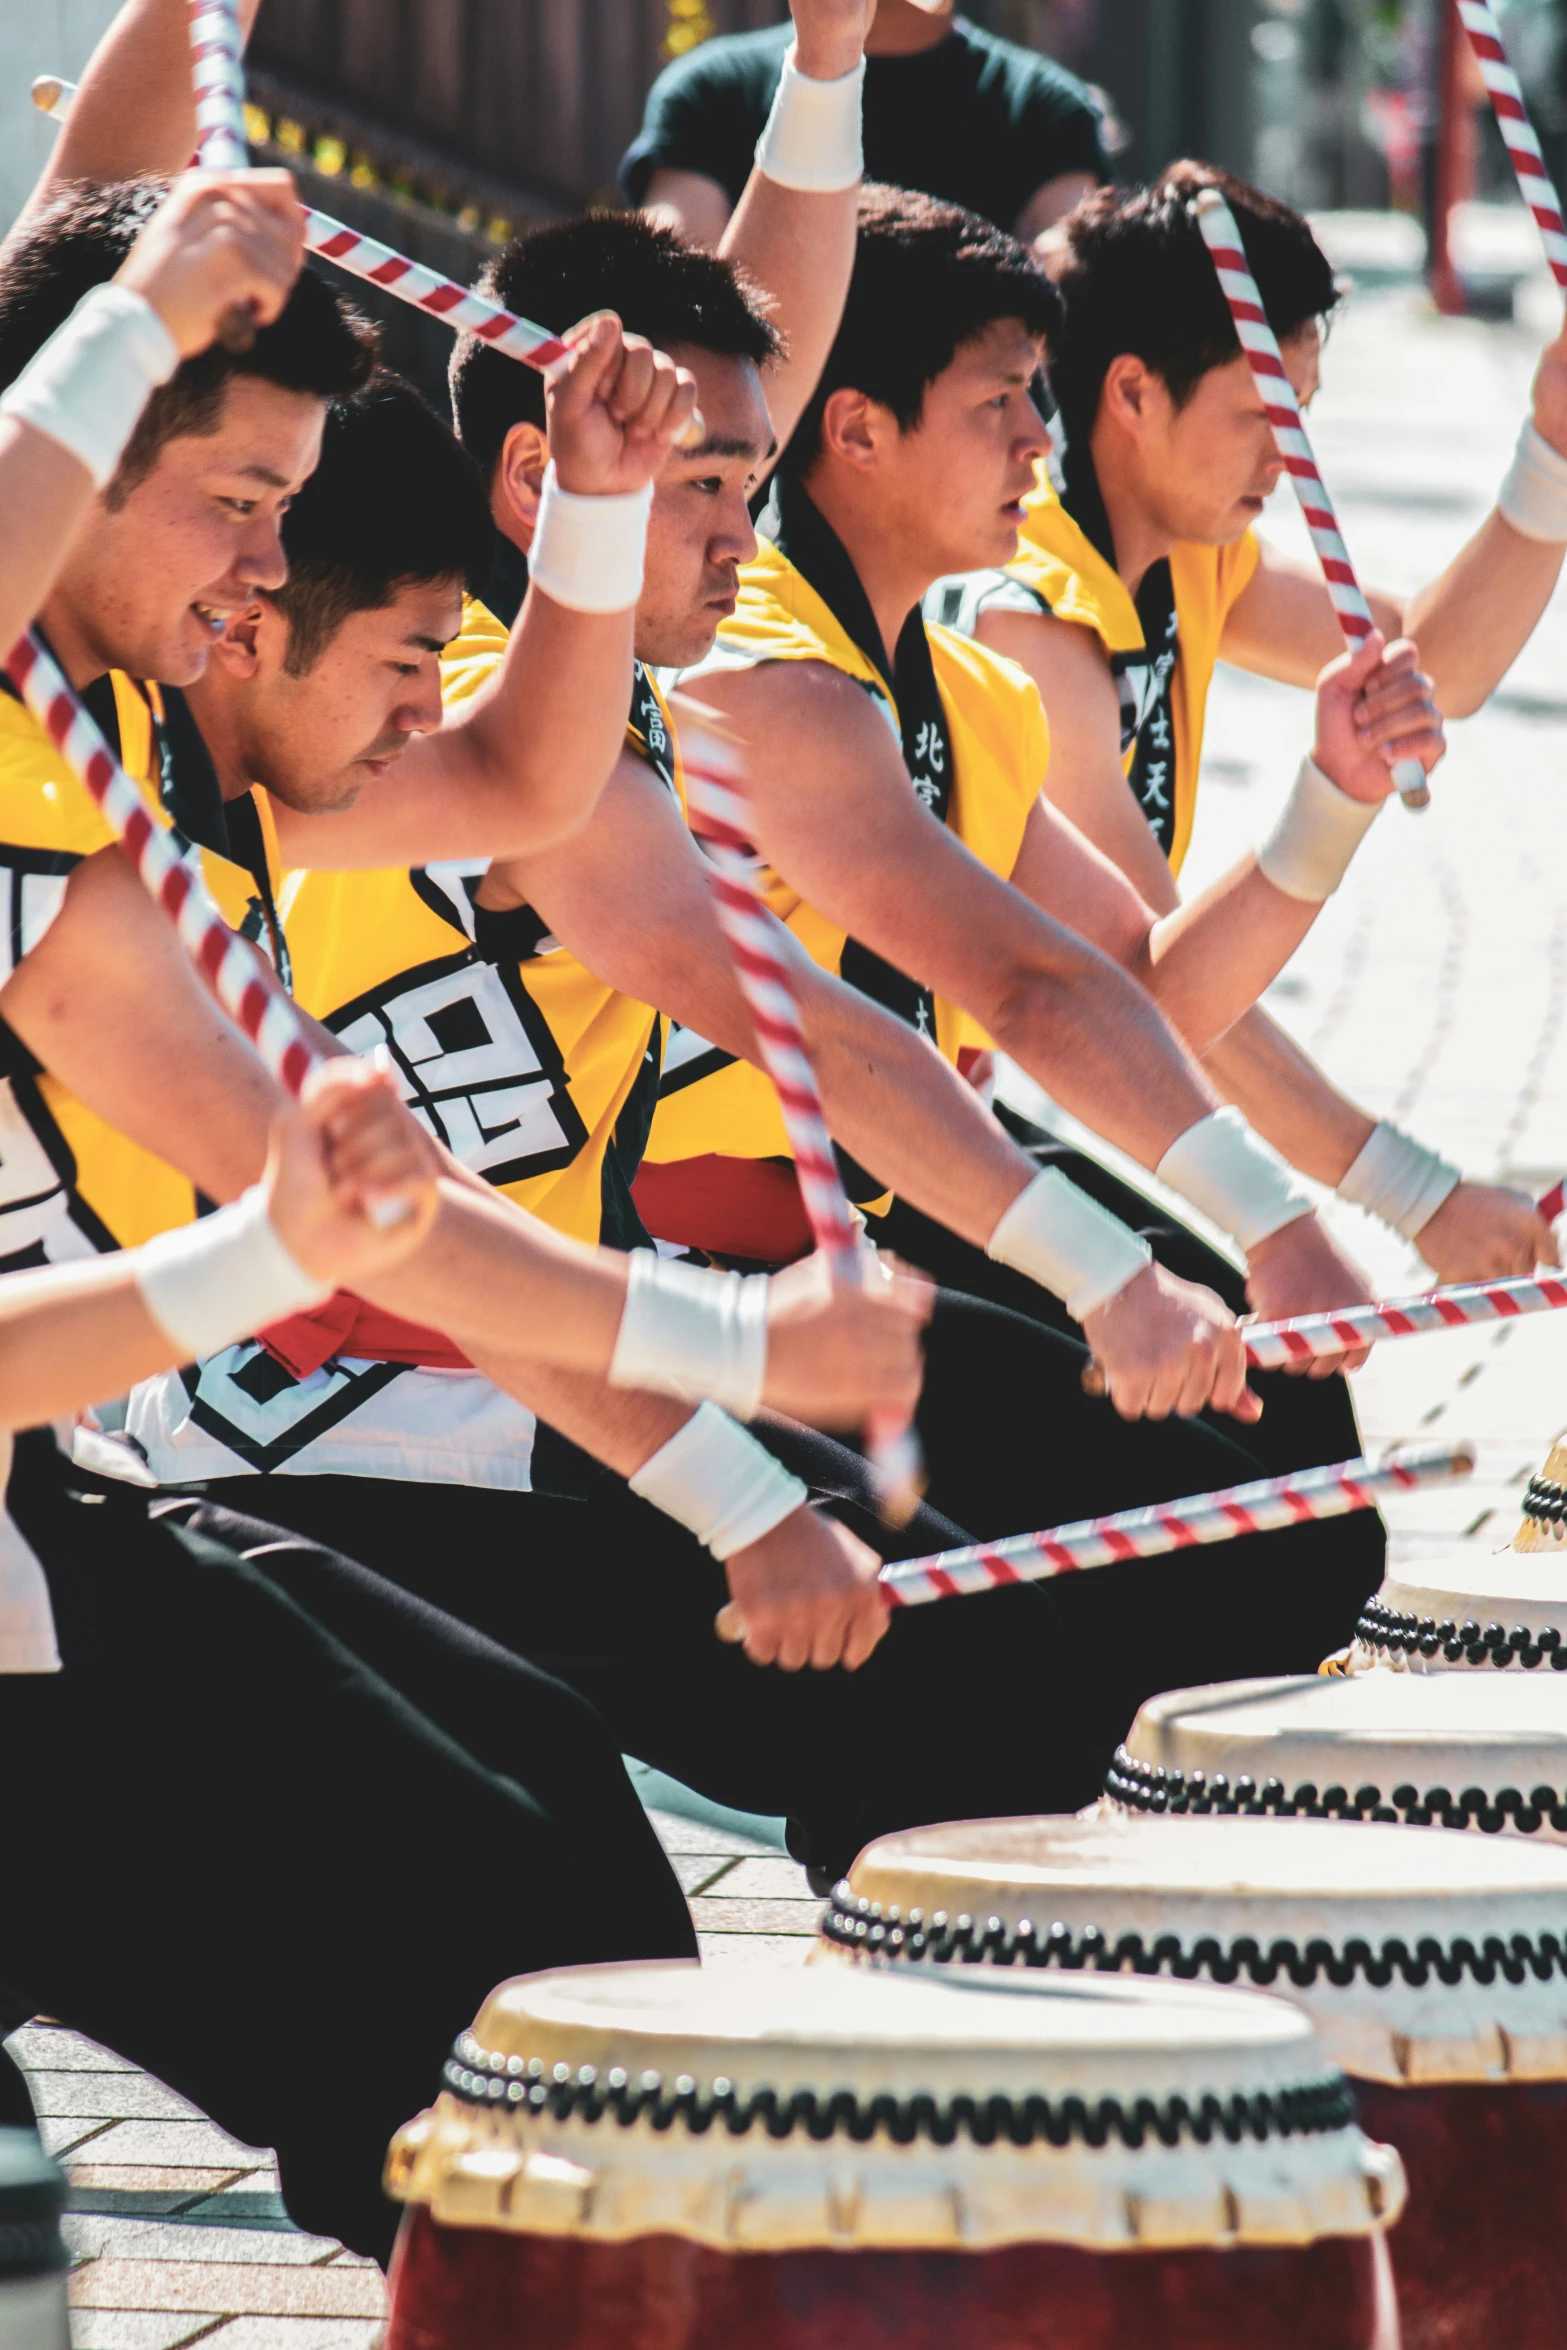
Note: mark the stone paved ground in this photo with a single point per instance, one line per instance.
(1432, 988)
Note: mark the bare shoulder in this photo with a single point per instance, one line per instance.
(780, 708)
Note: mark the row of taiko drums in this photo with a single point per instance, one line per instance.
(1236, 2059)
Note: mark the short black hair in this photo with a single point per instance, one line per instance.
(317, 344)
(928, 277)
(656, 283)
(394, 500)
(1140, 279)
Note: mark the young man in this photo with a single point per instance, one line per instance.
(581, 946)
(1130, 585)
(895, 795)
(949, 108)
(100, 1097)
(127, 1645)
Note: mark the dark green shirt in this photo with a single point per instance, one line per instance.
(976, 120)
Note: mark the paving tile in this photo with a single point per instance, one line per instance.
(54, 2049)
(92, 2235)
(774, 1878)
(173, 2145)
(132, 2178)
(133, 2329)
(756, 1917)
(254, 2288)
(60, 2133)
(118, 2096)
(697, 1871)
(754, 1952)
(678, 1835)
(295, 2333)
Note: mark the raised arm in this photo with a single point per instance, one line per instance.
(134, 110)
(793, 228)
(522, 763)
(214, 245)
(1471, 622)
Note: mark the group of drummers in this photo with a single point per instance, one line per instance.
(407, 1439)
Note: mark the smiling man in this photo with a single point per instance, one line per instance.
(1144, 571)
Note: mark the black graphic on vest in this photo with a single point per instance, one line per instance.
(477, 1062)
(250, 1403)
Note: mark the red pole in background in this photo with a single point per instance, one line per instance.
(1455, 159)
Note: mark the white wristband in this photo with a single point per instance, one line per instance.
(812, 140)
(1399, 1180)
(1235, 1177)
(1314, 836)
(223, 1277)
(689, 1332)
(1068, 1243)
(88, 386)
(1533, 497)
(587, 552)
(717, 1481)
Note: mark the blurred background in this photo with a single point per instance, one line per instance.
(443, 124)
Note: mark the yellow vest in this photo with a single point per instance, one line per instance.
(1000, 748)
(1061, 565)
(536, 1075)
(69, 1184)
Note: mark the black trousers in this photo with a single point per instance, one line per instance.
(1304, 1422)
(278, 1828)
(1012, 1702)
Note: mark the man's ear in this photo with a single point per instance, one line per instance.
(1129, 393)
(238, 649)
(519, 482)
(853, 426)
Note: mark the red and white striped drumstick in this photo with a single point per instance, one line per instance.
(363, 257)
(719, 816)
(217, 43)
(1270, 1345)
(1512, 117)
(242, 981)
(1258, 341)
(1261, 1508)
(1552, 1202)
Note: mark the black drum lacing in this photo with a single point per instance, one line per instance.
(1144, 1786)
(533, 2087)
(1545, 1502)
(1390, 1633)
(942, 1939)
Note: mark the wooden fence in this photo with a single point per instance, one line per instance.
(539, 95)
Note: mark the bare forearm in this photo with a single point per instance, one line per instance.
(134, 111)
(800, 247)
(906, 1114)
(1206, 963)
(70, 1335)
(1285, 1096)
(490, 1276)
(1473, 622)
(545, 737)
(45, 493)
(622, 1427)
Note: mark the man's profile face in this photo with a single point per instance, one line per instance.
(317, 740)
(700, 530)
(949, 490)
(150, 583)
(1204, 470)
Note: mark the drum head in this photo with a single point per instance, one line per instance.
(834, 2106)
(1461, 1750)
(1418, 1958)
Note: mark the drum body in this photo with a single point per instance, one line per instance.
(1498, 1614)
(795, 2160)
(1433, 1967)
